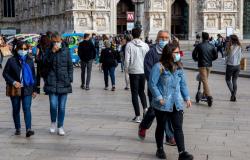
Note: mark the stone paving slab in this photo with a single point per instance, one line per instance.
(98, 125)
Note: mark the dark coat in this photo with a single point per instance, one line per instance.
(60, 74)
(151, 58)
(205, 53)
(12, 72)
(108, 58)
(86, 51)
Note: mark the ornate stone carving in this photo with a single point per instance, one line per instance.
(82, 22)
(82, 3)
(213, 4)
(211, 20)
(104, 4)
(157, 23)
(228, 5)
(157, 4)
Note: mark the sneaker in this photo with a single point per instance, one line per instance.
(29, 133)
(82, 87)
(233, 99)
(160, 154)
(106, 88)
(87, 88)
(137, 119)
(126, 88)
(18, 132)
(210, 101)
(171, 142)
(61, 131)
(185, 156)
(113, 89)
(142, 133)
(52, 128)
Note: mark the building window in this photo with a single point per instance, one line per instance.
(9, 8)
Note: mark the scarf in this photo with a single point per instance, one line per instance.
(27, 75)
(158, 49)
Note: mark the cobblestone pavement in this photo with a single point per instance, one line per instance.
(98, 125)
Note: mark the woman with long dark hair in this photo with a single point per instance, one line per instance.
(42, 48)
(168, 86)
(19, 74)
(233, 58)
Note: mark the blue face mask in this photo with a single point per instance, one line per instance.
(177, 57)
(162, 43)
(22, 53)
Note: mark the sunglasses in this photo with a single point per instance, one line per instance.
(23, 49)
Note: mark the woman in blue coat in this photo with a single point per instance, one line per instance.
(19, 72)
(169, 89)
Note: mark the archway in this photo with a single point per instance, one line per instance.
(246, 19)
(180, 19)
(123, 7)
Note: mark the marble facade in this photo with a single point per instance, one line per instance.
(100, 16)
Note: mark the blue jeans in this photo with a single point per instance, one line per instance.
(97, 55)
(16, 105)
(57, 106)
(109, 71)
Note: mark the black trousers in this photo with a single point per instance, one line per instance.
(137, 87)
(232, 74)
(149, 116)
(176, 118)
(86, 66)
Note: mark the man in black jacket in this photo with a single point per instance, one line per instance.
(87, 54)
(205, 53)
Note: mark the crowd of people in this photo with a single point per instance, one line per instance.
(158, 64)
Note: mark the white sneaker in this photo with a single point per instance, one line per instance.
(61, 131)
(137, 119)
(52, 128)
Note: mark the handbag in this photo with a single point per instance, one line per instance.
(243, 64)
(5, 50)
(12, 91)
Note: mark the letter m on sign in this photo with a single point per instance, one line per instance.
(130, 16)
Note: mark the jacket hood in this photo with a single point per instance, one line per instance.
(138, 42)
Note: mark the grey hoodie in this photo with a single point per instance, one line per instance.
(134, 56)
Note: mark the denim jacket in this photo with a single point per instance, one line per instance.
(171, 87)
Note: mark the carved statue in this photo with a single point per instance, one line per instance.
(91, 4)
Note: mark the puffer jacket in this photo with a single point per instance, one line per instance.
(60, 75)
(205, 53)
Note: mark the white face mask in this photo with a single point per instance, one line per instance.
(22, 52)
(58, 44)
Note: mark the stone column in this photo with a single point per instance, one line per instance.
(139, 13)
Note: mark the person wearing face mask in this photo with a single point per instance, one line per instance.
(169, 89)
(58, 82)
(19, 74)
(151, 58)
